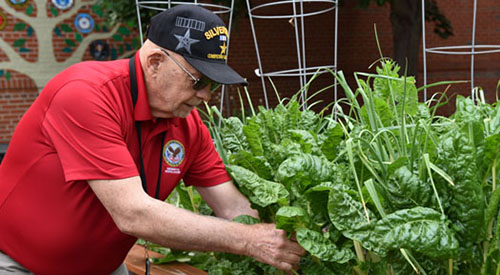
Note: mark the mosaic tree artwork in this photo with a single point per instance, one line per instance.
(40, 38)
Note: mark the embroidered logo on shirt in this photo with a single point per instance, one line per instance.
(173, 153)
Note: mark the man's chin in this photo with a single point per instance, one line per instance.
(183, 113)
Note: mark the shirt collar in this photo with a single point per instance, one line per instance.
(142, 110)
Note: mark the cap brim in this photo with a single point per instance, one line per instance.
(218, 72)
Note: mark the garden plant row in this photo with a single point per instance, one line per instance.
(380, 187)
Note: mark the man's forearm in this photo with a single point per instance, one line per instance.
(181, 229)
(226, 201)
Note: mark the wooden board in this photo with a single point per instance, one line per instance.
(135, 263)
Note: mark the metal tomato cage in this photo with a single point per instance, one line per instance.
(471, 50)
(298, 15)
(215, 8)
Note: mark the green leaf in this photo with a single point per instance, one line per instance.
(306, 140)
(256, 164)
(419, 229)
(232, 135)
(70, 42)
(282, 151)
(1, 73)
(183, 199)
(321, 247)
(456, 156)
(19, 42)
(117, 37)
(7, 76)
(492, 206)
(78, 37)
(395, 165)
(382, 110)
(308, 119)
(394, 91)
(19, 26)
(290, 218)
(493, 125)
(352, 219)
(260, 191)
(317, 198)
(234, 264)
(492, 262)
(312, 266)
(66, 28)
(253, 137)
(54, 11)
(67, 50)
(409, 91)
(346, 213)
(405, 189)
(246, 219)
(492, 148)
(124, 31)
(173, 256)
(400, 265)
(304, 170)
(466, 110)
(333, 137)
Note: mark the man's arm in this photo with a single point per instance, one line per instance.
(137, 214)
(226, 201)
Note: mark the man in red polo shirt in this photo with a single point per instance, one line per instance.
(92, 161)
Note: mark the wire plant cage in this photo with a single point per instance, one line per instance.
(297, 19)
(473, 49)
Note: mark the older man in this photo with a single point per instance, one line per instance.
(92, 161)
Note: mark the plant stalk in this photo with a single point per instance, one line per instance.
(191, 198)
(359, 251)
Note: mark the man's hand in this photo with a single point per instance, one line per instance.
(266, 243)
(271, 246)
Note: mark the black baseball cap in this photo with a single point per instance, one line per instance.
(200, 36)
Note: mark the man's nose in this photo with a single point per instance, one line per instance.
(204, 94)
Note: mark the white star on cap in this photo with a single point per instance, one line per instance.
(185, 41)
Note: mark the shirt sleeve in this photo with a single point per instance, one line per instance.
(84, 125)
(207, 168)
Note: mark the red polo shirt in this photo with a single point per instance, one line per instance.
(82, 127)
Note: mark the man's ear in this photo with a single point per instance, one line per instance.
(154, 61)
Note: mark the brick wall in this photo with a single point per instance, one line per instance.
(19, 90)
(457, 67)
(357, 49)
(16, 96)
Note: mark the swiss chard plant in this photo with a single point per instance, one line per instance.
(380, 185)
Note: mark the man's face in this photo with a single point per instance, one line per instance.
(171, 92)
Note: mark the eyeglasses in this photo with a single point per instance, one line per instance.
(198, 83)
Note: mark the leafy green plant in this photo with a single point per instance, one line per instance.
(381, 185)
(385, 188)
